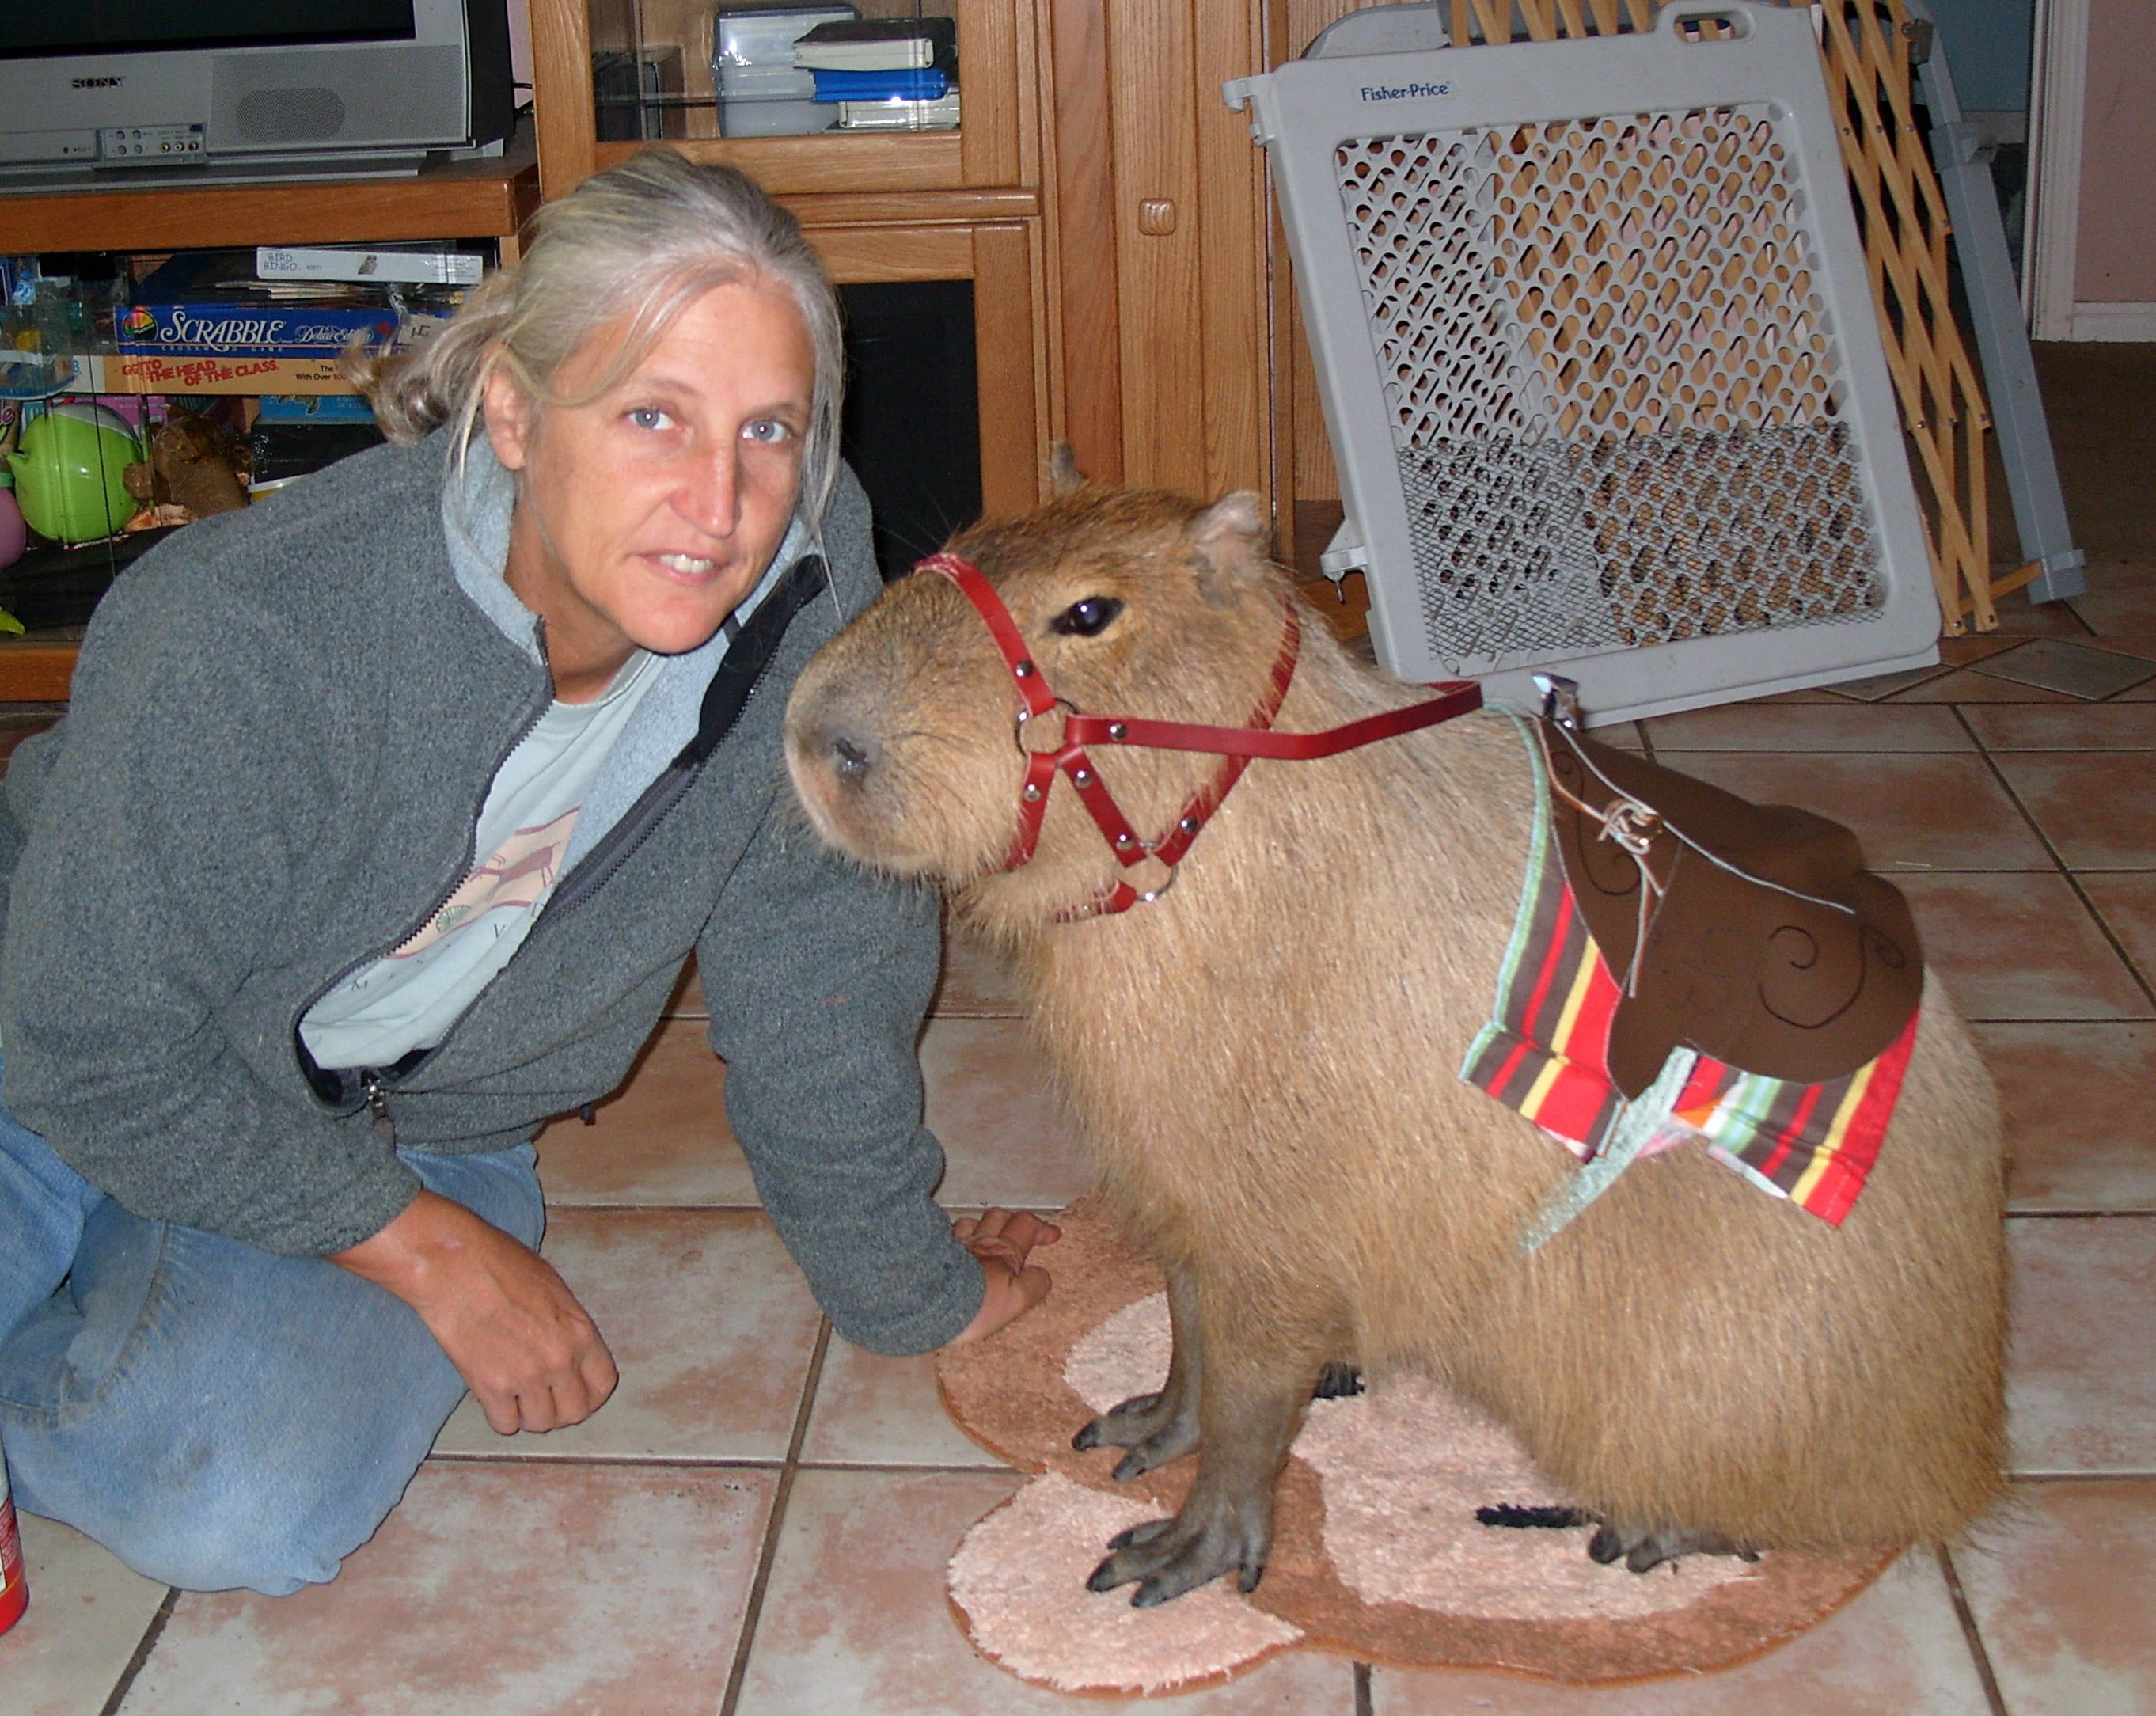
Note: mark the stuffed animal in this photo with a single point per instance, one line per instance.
(192, 465)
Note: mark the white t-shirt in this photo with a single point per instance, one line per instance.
(410, 998)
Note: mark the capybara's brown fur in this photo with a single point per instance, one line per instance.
(1265, 1061)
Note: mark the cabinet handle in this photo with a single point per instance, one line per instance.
(1156, 217)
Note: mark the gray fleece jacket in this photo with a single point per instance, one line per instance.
(284, 721)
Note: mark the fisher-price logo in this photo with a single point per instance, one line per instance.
(1403, 92)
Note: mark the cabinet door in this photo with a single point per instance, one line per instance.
(1002, 260)
(613, 74)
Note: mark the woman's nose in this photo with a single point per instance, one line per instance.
(709, 496)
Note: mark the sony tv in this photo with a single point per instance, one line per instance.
(191, 90)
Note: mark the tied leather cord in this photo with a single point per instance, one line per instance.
(1235, 746)
(1750, 933)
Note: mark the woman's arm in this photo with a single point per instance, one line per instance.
(167, 830)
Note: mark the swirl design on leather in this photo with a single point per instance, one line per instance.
(1786, 958)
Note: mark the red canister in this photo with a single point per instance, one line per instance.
(14, 1593)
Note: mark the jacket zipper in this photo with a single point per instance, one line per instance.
(799, 588)
(373, 1092)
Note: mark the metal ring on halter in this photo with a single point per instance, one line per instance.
(1147, 895)
(1062, 706)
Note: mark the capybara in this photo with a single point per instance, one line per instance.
(1265, 1059)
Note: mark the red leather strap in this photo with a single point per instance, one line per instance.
(1236, 746)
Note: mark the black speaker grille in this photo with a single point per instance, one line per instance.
(300, 115)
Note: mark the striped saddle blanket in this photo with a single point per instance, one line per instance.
(1543, 1053)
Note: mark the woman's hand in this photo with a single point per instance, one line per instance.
(1003, 1240)
(508, 1323)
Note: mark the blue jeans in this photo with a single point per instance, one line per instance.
(216, 1416)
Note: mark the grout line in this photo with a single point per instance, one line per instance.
(2079, 1214)
(148, 1642)
(2073, 882)
(658, 1462)
(2128, 1475)
(1970, 1636)
(2082, 1018)
(1363, 1706)
(753, 1612)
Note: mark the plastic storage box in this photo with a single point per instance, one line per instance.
(761, 92)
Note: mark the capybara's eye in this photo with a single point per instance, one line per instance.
(1087, 619)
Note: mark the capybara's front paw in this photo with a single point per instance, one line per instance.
(1155, 1428)
(1169, 1556)
(1641, 1549)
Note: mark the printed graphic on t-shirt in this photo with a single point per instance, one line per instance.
(514, 878)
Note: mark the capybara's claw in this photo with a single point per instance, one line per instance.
(1151, 1426)
(1168, 1557)
(1643, 1551)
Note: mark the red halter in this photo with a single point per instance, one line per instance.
(1235, 745)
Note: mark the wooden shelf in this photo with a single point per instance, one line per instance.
(32, 670)
(459, 199)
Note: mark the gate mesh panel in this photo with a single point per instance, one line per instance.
(1611, 386)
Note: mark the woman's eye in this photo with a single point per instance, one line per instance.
(1086, 618)
(767, 429)
(650, 417)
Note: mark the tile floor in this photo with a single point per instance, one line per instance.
(757, 1522)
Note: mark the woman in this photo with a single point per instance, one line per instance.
(379, 830)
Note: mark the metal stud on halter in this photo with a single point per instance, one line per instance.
(1235, 746)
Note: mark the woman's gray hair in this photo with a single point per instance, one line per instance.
(643, 241)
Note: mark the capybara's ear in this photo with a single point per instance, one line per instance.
(1230, 540)
(1064, 475)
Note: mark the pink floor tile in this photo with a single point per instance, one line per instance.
(2081, 1382)
(1967, 684)
(1897, 1650)
(1911, 811)
(2121, 598)
(2064, 1592)
(2020, 944)
(2078, 1100)
(662, 1138)
(710, 1322)
(1007, 1139)
(2021, 618)
(1810, 727)
(2098, 809)
(87, 1614)
(494, 1590)
(871, 1410)
(1874, 687)
(977, 983)
(855, 1620)
(2072, 727)
(2128, 902)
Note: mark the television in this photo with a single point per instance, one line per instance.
(188, 92)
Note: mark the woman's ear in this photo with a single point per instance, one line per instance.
(509, 418)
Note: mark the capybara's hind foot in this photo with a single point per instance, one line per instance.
(1153, 1427)
(1169, 1556)
(1641, 1549)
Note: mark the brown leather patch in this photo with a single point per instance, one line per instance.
(1756, 978)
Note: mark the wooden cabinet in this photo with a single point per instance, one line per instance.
(489, 198)
(966, 204)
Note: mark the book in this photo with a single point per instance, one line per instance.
(901, 115)
(414, 265)
(924, 84)
(880, 44)
(208, 304)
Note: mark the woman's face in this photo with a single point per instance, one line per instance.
(644, 516)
